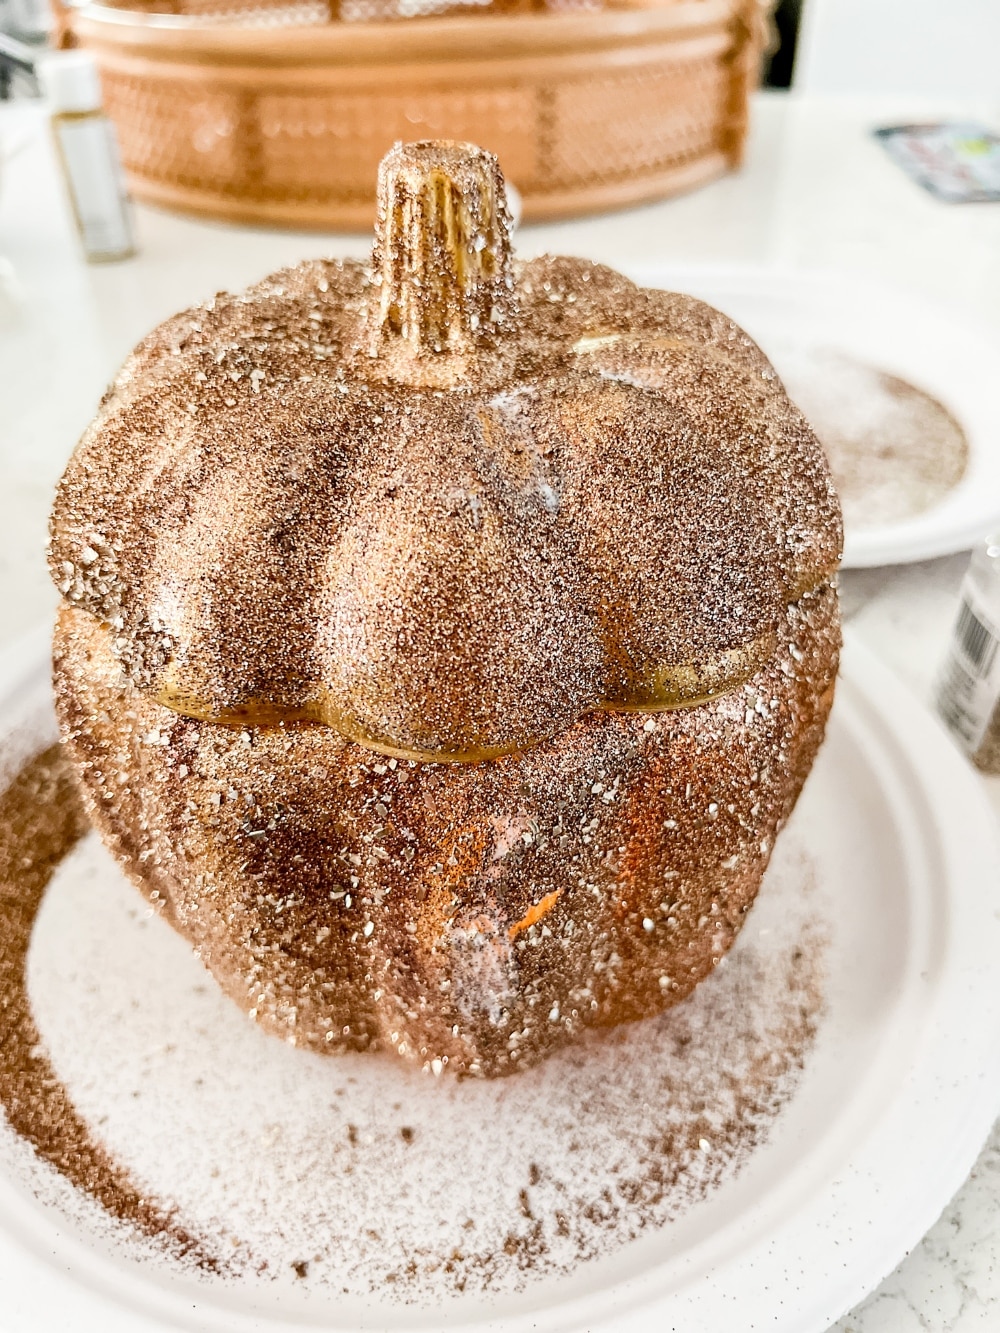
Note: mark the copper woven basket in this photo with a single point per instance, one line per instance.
(285, 122)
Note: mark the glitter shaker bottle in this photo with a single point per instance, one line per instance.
(88, 151)
(968, 689)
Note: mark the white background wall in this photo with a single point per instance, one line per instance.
(947, 49)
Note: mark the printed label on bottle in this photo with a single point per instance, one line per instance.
(90, 151)
(970, 682)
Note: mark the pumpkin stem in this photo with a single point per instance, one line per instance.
(441, 262)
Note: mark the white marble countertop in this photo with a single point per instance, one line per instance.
(816, 192)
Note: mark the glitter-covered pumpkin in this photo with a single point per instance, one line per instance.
(445, 641)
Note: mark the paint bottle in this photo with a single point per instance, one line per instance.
(968, 689)
(87, 148)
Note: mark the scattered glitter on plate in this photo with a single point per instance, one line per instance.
(362, 1175)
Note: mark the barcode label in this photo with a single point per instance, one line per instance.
(957, 702)
(975, 640)
(969, 684)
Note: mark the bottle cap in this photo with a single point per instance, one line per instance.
(70, 81)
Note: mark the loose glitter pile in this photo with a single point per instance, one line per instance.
(894, 450)
(40, 821)
(361, 1175)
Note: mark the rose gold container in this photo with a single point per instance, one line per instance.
(259, 117)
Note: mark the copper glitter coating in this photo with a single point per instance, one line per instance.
(470, 916)
(566, 534)
(450, 509)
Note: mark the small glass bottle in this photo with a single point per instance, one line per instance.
(968, 689)
(88, 151)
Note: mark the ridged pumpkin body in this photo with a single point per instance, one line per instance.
(482, 616)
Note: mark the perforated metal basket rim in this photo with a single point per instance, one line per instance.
(681, 71)
(381, 42)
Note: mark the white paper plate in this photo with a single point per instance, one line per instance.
(896, 1099)
(934, 348)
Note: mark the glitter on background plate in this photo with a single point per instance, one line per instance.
(894, 450)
